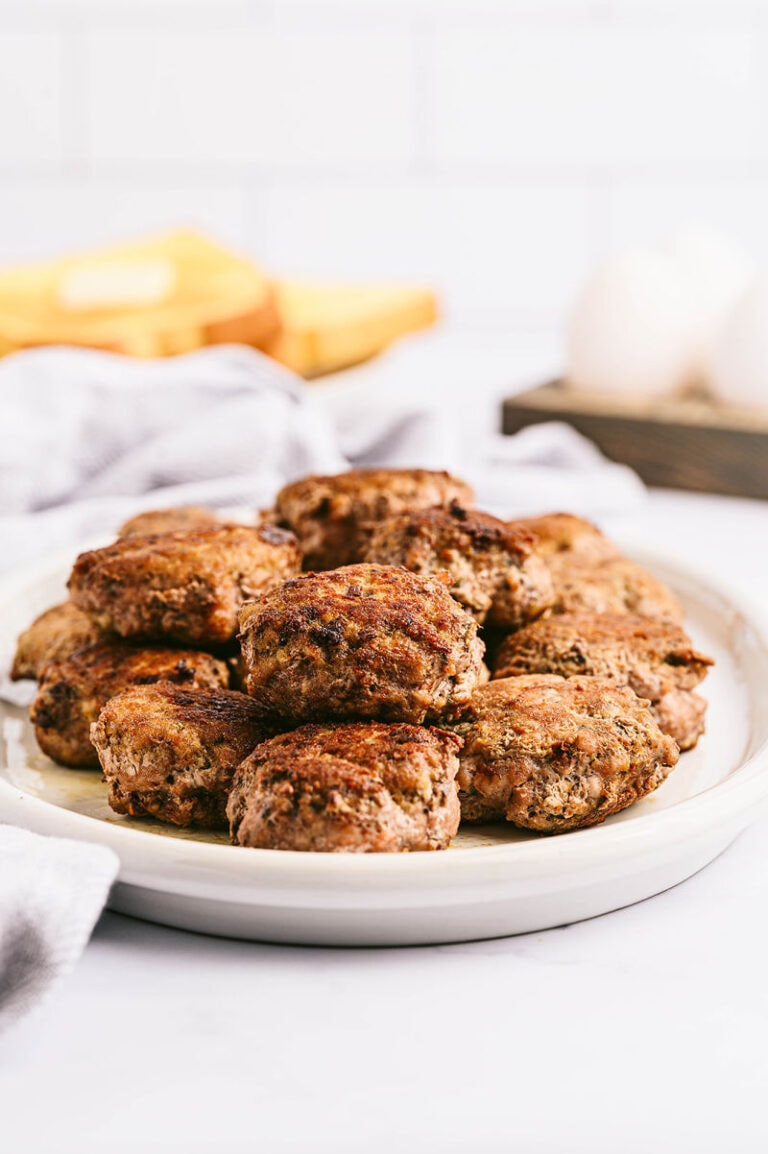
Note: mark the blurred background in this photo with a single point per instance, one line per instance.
(496, 152)
(497, 149)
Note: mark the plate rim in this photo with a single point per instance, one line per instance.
(716, 806)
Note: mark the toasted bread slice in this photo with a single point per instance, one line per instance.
(329, 327)
(169, 294)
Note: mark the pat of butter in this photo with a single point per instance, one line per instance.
(115, 284)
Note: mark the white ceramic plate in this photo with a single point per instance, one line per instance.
(493, 881)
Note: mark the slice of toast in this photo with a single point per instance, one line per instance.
(330, 327)
(168, 294)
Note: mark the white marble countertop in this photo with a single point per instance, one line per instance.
(641, 1030)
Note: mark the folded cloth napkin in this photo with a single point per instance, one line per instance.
(78, 424)
(550, 467)
(87, 439)
(51, 894)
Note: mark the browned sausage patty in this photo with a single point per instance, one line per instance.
(683, 715)
(72, 692)
(614, 585)
(171, 752)
(654, 658)
(174, 520)
(553, 754)
(356, 788)
(558, 533)
(364, 641)
(495, 571)
(590, 574)
(59, 631)
(185, 587)
(333, 516)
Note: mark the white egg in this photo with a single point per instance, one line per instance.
(739, 366)
(631, 328)
(718, 272)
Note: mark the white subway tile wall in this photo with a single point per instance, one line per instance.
(504, 254)
(31, 113)
(494, 148)
(594, 96)
(250, 96)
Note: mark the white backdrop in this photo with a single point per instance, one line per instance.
(497, 149)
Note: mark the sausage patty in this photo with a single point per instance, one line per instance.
(333, 516)
(366, 641)
(55, 634)
(654, 658)
(363, 787)
(495, 571)
(171, 752)
(552, 754)
(73, 691)
(558, 533)
(185, 587)
(613, 585)
(174, 520)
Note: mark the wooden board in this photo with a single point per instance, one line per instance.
(678, 443)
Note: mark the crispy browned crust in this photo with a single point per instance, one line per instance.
(185, 587)
(354, 788)
(171, 752)
(364, 641)
(333, 516)
(55, 634)
(652, 657)
(494, 569)
(553, 754)
(73, 691)
(181, 518)
(558, 533)
(613, 585)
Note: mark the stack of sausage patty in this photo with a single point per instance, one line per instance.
(317, 682)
